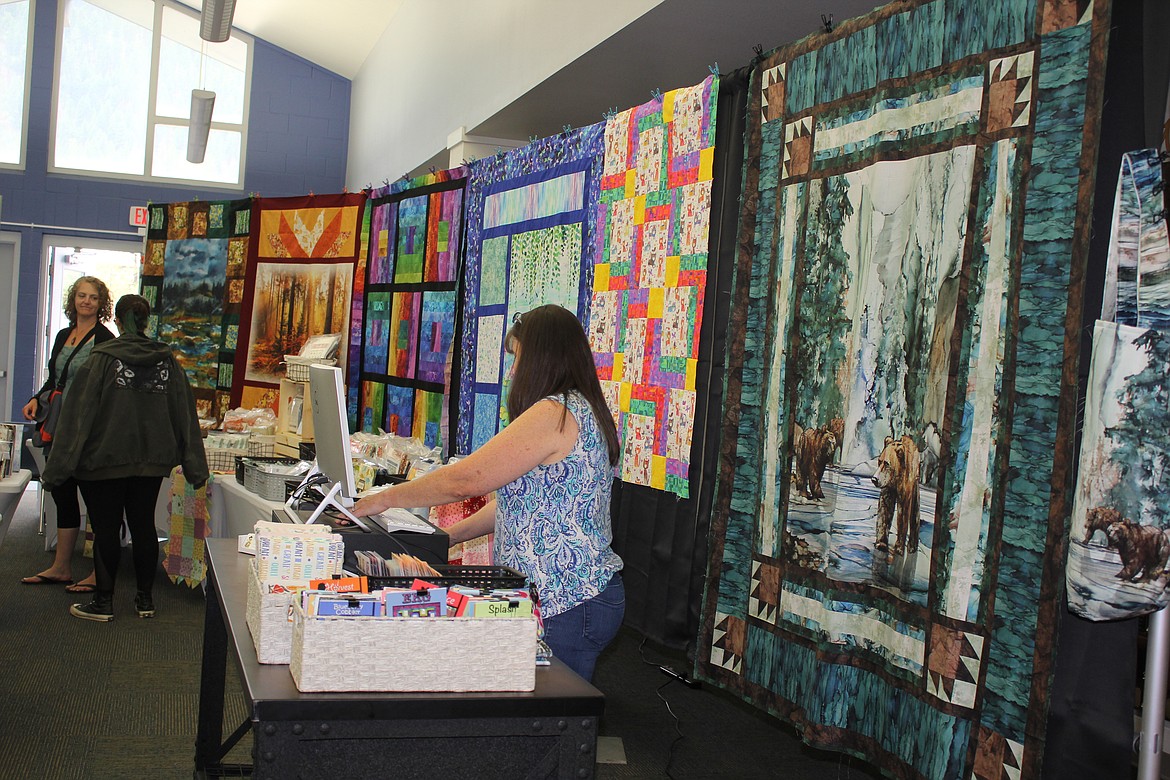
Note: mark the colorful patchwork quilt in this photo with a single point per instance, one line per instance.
(650, 278)
(531, 240)
(185, 550)
(407, 298)
(888, 538)
(193, 276)
(298, 284)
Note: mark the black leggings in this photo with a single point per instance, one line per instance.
(68, 507)
(107, 499)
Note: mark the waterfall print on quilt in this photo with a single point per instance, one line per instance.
(893, 490)
(193, 276)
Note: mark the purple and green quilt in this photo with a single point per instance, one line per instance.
(406, 306)
(531, 240)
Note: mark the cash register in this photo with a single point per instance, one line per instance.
(395, 531)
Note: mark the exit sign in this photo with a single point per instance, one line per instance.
(139, 216)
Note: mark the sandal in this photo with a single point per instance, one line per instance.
(81, 587)
(40, 579)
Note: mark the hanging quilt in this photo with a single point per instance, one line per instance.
(298, 284)
(887, 541)
(649, 281)
(185, 550)
(408, 306)
(193, 277)
(1119, 551)
(531, 240)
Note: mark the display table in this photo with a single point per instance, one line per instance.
(234, 509)
(11, 489)
(548, 732)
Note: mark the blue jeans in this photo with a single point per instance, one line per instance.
(578, 636)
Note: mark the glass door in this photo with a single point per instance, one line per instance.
(117, 263)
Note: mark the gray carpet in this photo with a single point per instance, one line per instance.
(80, 699)
(119, 700)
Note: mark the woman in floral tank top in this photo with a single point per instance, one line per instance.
(553, 469)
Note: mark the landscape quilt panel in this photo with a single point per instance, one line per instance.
(894, 488)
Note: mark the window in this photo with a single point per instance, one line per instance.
(123, 92)
(15, 71)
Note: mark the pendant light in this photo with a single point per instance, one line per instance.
(202, 102)
(215, 23)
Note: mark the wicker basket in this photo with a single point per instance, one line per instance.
(297, 368)
(333, 653)
(268, 486)
(270, 621)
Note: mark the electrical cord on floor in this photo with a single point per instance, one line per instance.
(677, 730)
(675, 676)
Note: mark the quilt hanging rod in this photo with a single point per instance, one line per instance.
(35, 226)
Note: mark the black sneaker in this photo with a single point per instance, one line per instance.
(144, 604)
(100, 609)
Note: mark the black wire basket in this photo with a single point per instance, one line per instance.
(480, 577)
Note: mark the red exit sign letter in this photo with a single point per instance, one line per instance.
(138, 216)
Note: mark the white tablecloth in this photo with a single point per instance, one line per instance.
(234, 510)
(11, 489)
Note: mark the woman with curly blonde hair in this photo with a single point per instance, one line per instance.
(88, 306)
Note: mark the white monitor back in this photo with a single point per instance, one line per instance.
(331, 429)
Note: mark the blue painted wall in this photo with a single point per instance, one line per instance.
(298, 134)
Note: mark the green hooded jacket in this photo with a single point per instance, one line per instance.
(129, 413)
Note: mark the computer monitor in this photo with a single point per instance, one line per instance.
(331, 434)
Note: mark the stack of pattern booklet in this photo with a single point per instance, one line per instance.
(293, 555)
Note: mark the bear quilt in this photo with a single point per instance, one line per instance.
(894, 487)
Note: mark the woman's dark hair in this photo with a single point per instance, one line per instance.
(132, 311)
(554, 359)
(103, 292)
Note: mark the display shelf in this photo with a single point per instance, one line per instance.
(294, 417)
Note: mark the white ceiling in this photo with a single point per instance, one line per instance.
(671, 46)
(335, 34)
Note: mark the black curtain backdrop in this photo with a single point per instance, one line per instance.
(661, 538)
(1090, 717)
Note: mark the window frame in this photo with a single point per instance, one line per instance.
(22, 154)
(153, 119)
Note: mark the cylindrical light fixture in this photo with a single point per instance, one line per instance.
(202, 102)
(215, 23)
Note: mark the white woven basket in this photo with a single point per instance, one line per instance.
(269, 621)
(413, 654)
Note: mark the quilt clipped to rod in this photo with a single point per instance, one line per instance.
(888, 539)
(404, 306)
(193, 275)
(531, 240)
(298, 283)
(651, 276)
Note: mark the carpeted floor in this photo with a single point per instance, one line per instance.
(119, 700)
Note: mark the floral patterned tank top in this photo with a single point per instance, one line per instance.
(553, 523)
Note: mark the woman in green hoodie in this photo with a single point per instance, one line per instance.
(127, 421)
